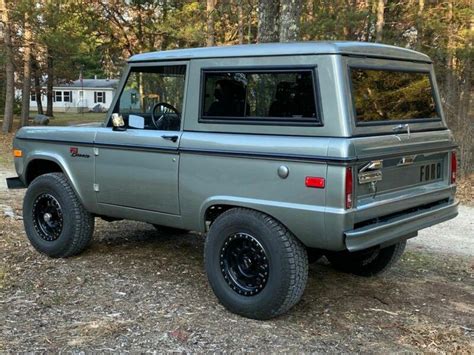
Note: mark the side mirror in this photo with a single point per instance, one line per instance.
(135, 121)
(117, 122)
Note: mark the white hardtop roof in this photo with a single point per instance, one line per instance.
(278, 49)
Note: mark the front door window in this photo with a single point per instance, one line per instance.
(156, 94)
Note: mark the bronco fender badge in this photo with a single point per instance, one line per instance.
(75, 153)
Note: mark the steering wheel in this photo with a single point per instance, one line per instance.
(161, 118)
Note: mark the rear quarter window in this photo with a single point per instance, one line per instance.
(278, 96)
(387, 95)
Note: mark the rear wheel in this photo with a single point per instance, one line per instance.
(255, 266)
(369, 262)
(56, 222)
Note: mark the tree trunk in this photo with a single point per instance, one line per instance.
(26, 92)
(249, 23)
(465, 108)
(37, 76)
(466, 117)
(449, 83)
(49, 85)
(9, 71)
(380, 20)
(210, 41)
(369, 19)
(419, 23)
(421, 8)
(240, 9)
(267, 21)
(290, 14)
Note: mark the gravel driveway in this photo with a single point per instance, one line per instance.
(455, 236)
(135, 289)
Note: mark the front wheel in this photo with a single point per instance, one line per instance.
(369, 262)
(255, 266)
(56, 222)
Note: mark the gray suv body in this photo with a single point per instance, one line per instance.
(277, 151)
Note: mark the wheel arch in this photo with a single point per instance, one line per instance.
(305, 222)
(40, 164)
(214, 207)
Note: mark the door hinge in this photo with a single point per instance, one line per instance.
(96, 151)
(96, 187)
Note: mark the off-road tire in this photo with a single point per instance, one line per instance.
(287, 264)
(367, 262)
(170, 230)
(77, 225)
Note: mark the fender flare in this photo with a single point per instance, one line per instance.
(59, 160)
(234, 201)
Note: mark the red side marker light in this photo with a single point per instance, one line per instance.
(73, 150)
(316, 182)
(454, 167)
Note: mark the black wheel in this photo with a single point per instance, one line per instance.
(369, 262)
(255, 266)
(55, 221)
(170, 230)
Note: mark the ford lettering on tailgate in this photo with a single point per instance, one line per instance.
(430, 172)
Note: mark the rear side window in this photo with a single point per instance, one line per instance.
(255, 96)
(386, 95)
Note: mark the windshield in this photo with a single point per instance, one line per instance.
(388, 95)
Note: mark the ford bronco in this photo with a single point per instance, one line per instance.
(281, 153)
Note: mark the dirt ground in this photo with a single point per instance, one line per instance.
(135, 289)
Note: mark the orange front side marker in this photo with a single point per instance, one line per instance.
(17, 153)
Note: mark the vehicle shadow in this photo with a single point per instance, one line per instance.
(332, 301)
(128, 240)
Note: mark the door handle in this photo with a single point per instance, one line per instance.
(170, 138)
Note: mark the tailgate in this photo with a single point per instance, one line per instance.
(391, 166)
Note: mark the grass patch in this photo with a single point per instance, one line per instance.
(6, 156)
(67, 119)
(64, 118)
(60, 119)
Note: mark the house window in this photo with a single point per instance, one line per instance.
(67, 96)
(133, 98)
(58, 96)
(99, 97)
(33, 96)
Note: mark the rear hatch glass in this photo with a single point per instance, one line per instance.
(384, 96)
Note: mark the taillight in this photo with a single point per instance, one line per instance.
(454, 167)
(348, 190)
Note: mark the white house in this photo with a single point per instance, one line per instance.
(79, 95)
